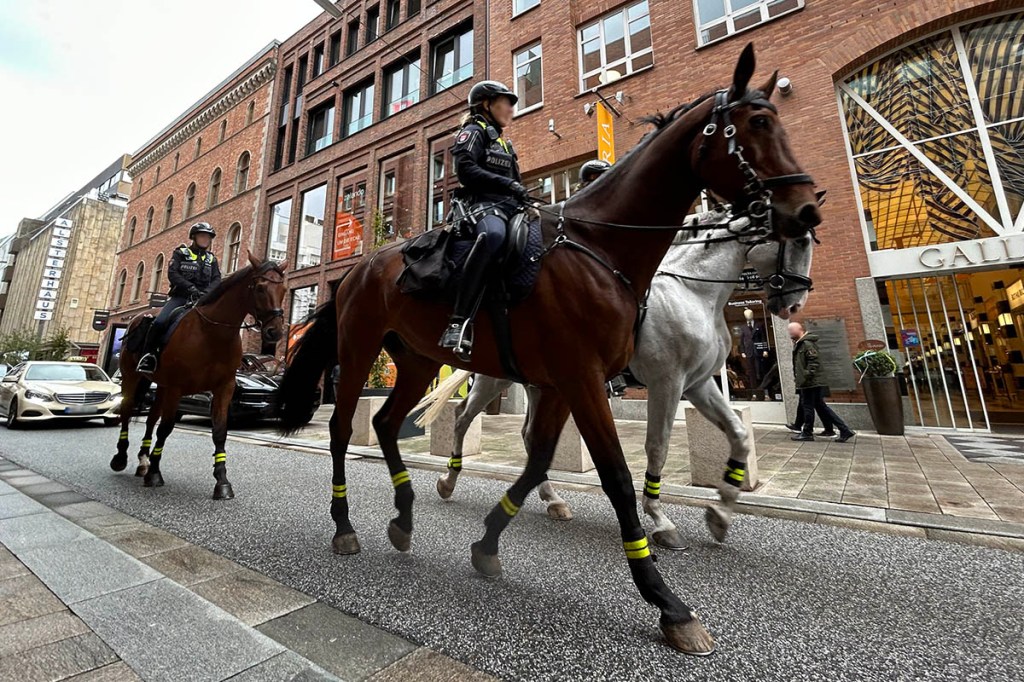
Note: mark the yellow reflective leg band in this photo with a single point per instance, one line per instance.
(146, 443)
(652, 489)
(735, 474)
(400, 478)
(637, 549)
(455, 463)
(157, 452)
(124, 434)
(338, 491)
(220, 457)
(508, 506)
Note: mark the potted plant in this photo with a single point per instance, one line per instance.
(881, 390)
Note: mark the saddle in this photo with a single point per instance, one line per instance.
(135, 339)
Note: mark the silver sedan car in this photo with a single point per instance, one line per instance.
(40, 390)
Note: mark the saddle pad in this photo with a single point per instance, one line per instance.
(518, 275)
(173, 323)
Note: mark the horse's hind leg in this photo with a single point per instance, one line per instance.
(662, 401)
(414, 376)
(147, 440)
(168, 403)
(485, 389)
(120, 459)
(221, 400)
(712, 404)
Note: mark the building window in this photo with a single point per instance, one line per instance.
(149, 222)
(168, 209)
(452, 60)
(401, 86)
(320, 131)
(303, 303)
(388, 185)
(334, 50)
(520, 6)
(358, 108)
(717, 19)
(352, 38)
(190, 202)
(412, 8)
(214, 196)
(372, 24)
(528, 84)
(349, 216)
(156, 181)
(443, 181)
(122, 281)
(234, 247)
(138, 187)
(311, 231)
(242, 173)
(158, 273)
(392, 10)
(282, 138)
(250, 112)
(222, 133)
(556, 185)
(615, 45)
(199, 148)
(177, 158)
(140, 271)
(280, 217)
(131, 232)
(318, 60)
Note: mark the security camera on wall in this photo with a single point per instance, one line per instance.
(784, 85)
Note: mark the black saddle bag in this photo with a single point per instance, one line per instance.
(428, 268)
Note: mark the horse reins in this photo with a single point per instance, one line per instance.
(262, 318)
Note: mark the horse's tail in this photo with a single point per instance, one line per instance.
(433, 403)
(316, 350)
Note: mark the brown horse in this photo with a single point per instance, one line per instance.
(575, 329)
(202, 355)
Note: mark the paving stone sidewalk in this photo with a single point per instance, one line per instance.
(89, 593)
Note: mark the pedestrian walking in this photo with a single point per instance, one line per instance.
(811, 387)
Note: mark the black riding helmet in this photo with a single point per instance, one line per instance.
(485, 91)
(590, 170)
(201, 228)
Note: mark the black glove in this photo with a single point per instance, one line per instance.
(194, 293)
(518, 191)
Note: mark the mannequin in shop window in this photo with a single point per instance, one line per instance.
(753, 349)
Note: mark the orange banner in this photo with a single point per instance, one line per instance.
(348, 235)
(605, 134)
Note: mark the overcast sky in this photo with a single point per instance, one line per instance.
(85, 81)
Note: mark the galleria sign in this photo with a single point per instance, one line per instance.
(963, 255)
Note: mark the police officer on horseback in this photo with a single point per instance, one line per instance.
(590, 171)
(192, 272)
(492, 192)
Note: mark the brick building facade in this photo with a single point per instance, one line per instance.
(205, 166)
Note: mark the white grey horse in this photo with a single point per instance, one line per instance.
(676, 355)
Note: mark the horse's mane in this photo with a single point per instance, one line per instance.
(226, 284)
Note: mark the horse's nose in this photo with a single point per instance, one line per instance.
(795, 308)
(809, 215)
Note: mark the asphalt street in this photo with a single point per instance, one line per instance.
(785, 600)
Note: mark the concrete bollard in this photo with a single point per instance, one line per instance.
(362, 420)
(442, 433)
(709, 449)
(571, 453)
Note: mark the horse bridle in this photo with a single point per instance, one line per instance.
(755, 202)
(262, 318)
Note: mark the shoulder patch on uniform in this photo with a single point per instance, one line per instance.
(463, 136)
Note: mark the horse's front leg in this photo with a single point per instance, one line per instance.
(663, 391)
(167, 401)
(710, 402)
(147, 440)
(221, 401)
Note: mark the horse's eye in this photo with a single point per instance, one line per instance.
(760, 122)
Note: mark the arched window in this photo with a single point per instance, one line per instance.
(168, 209)
(190, 201)
(214, 195)
(140, 270)
(177, 157)
(138, 187)
(157, 180)
(199, 147)
(149, 222)
(131, 232)
(233, 248)
(121, 282)
(223, 131)
(158, 273)
(242, 173)
(250, 112)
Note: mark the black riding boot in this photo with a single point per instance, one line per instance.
(148, 362)
(459, 334)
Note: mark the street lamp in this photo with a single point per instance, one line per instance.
(329, 7)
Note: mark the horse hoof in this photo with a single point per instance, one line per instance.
(690, 637)
(669, 539)
(559, 511)
(119, 462)
(346, 544)
(141, 470)
(487, 565)
(153, 479)
(401, 540)
(718, 523)
(445, 489)
(223, 491)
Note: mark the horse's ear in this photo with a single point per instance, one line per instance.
(282, 267)
(769, 87)
(253, 260)
(744, 70)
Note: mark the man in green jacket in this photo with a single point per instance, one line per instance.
(810, 384)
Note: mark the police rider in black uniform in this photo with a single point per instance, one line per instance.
(193, 271)
(492, 191)
(590, 171)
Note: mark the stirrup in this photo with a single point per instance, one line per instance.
(459, 337)
(147, 364)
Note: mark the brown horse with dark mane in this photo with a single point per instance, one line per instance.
(575, 329)
(203, 353)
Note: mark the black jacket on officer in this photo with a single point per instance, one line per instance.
(486, 163)
(192, 273)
